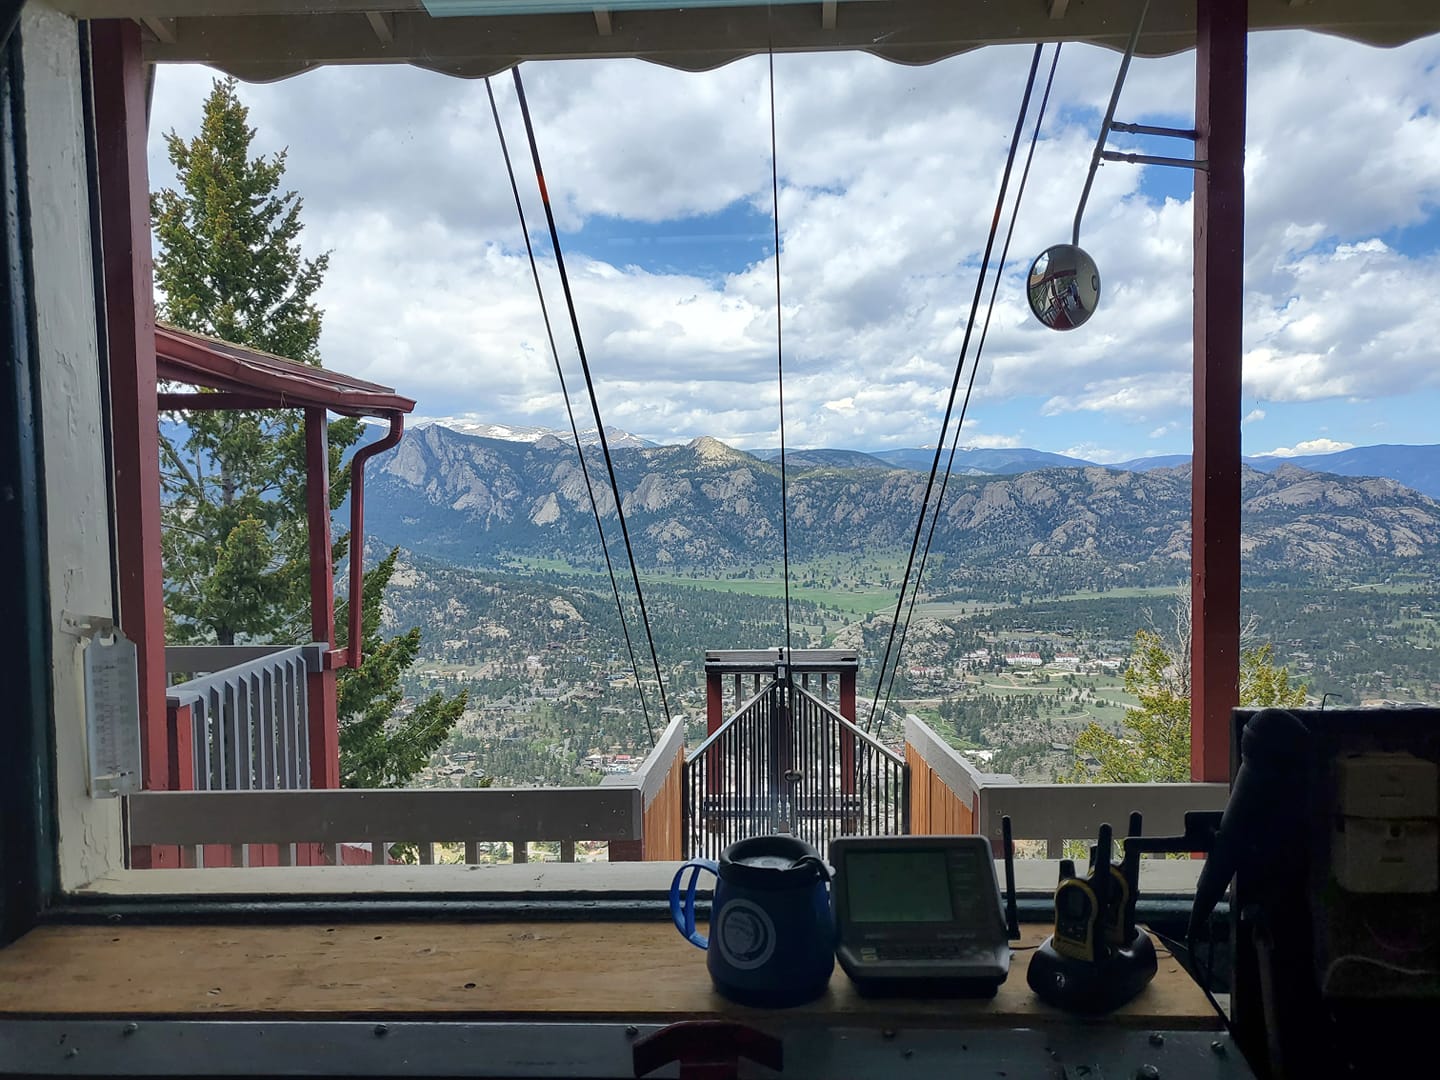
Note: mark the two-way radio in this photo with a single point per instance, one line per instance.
(1097, 958)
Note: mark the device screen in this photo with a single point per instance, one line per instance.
(898, 886)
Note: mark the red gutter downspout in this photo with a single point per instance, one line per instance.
(353, 654)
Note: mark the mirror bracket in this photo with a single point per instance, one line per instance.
(1149, 159)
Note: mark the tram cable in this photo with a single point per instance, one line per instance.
(974, 366)
(589, 384)
(570, 411)
(955, 382)
(780, 369)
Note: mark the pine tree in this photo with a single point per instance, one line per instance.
(229, 264)
(378, 747)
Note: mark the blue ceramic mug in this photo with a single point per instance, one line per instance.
(772, 934)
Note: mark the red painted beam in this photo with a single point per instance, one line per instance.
(317, 511)
(221, 401)
(714, 702)
(322, 705)
(118, 73)
(1219, 297)
(847, 738)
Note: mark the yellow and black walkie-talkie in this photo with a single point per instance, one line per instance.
(1119, 915)
(1077, 914)
(1084, 966)
(1082, 904)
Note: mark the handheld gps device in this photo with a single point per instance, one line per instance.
(919, 915)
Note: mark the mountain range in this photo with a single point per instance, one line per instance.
(520, 433)
(706, 505)
(1415, 466)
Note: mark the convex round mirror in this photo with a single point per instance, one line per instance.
(1064, 287)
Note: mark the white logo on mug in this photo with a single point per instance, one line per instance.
(745, 935)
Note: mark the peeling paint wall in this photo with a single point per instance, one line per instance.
(78, 535)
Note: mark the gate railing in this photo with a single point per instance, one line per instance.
(248, 720)
(800, 768)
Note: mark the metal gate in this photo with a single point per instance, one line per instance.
(788, 762)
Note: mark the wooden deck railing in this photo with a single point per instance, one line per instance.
(659, 780)
(950, 795)
(352, 825)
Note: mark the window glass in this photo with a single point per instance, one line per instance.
(781, 303)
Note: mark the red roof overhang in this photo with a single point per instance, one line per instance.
(257, 380)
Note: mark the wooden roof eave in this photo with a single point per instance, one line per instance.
(265, 40)
(248, 378)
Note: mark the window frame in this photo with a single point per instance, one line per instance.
(40, 889)
(28, 830)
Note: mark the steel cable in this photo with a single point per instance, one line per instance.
(569, 410)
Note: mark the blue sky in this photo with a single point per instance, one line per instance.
(888, 174)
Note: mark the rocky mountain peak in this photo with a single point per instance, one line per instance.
(711, 451)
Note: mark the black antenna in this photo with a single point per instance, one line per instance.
(1067, 869)
(1012, 911)
(1101, 876)
(1130, 868)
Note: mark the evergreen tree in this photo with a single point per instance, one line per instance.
(378, 746)
(235, 539)
(229, 265)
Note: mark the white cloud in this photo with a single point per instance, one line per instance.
(1101, 455)
(888, 176)
(1309, 446)
(1254, 416)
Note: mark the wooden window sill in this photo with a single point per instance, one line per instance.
(627, 973)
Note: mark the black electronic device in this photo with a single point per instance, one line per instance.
(1097, 958)
(1077, 916)
(1332, 838)
(921, 915)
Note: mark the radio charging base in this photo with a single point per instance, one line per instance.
(1092, 987)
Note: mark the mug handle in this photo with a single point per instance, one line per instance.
(683, 914)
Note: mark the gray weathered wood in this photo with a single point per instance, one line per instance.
(650, 777)
(196, 659)
(357, 815)
(1059, 812)
(961, 777)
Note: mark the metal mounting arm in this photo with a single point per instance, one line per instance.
(1109, 119)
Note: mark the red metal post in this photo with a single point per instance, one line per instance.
(1220, 90)
(627, 850)
(847, 738)
(118, 73)
(317, 509)
(321, 703)
(714, 702)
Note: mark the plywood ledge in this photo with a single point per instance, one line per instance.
(553, 972)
